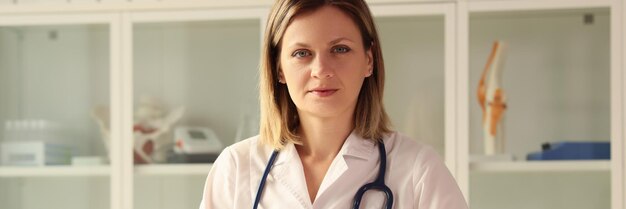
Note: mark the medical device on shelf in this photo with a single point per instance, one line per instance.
(196, 140)
(195, 145)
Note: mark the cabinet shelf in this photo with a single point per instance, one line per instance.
(55, 171)
(542, 166)
(173, 169)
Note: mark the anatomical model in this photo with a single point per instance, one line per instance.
(150, 128)
(492, 100)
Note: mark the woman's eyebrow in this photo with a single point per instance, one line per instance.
(335, 41)
(339, 40)
(298, 44)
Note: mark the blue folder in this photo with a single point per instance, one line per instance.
(573, 151)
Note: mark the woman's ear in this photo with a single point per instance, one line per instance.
(370, 62)
(281, 77)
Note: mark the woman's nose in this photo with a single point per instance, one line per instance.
(322, 66)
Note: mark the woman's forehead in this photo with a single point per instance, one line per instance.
(327, 24)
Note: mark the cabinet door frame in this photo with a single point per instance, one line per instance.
(618, 77)
(618, 106)
(112, 20)
(162, 16)
(453, 142)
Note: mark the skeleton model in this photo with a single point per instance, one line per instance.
(492, 100)
(150, 128)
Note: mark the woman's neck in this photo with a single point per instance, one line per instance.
(322, 138)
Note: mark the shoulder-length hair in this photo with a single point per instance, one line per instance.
(279, 116)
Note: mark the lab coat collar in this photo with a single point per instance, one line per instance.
(354, 146)
(292, 176)
(358, 147)
(286, 155)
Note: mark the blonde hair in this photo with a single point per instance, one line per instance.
(279, 116)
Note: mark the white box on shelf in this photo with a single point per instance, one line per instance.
(34, 153)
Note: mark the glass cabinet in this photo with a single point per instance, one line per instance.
(54, 105)
(413, 52)
(199, 70)
(208, 66)
(556, 79)
(99, 102)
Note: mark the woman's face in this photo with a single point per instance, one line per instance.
(323, 62)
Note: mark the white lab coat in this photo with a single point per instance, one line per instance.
(415, 174)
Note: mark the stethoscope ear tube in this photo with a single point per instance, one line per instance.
(269, 166)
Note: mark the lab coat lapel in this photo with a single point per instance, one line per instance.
(290, 175)
(354, 147)
(336, 169)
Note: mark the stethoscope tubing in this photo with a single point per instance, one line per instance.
(269, 166)
(378, 184)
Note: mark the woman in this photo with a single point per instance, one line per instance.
(324, 131)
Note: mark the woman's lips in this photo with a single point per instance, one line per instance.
(323, 92)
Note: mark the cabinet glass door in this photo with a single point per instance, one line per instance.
(201, 78)
(413, 47)
(54, 94)
(556, 124)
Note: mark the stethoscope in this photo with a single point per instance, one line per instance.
(378, 184)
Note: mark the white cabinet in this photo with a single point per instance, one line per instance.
(560, 83)
(414, 41)
(209, 67)
(203, 61)
(564, 78)
(52, 74)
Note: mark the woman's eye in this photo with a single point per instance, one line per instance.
(301, 53)
(341, 49)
